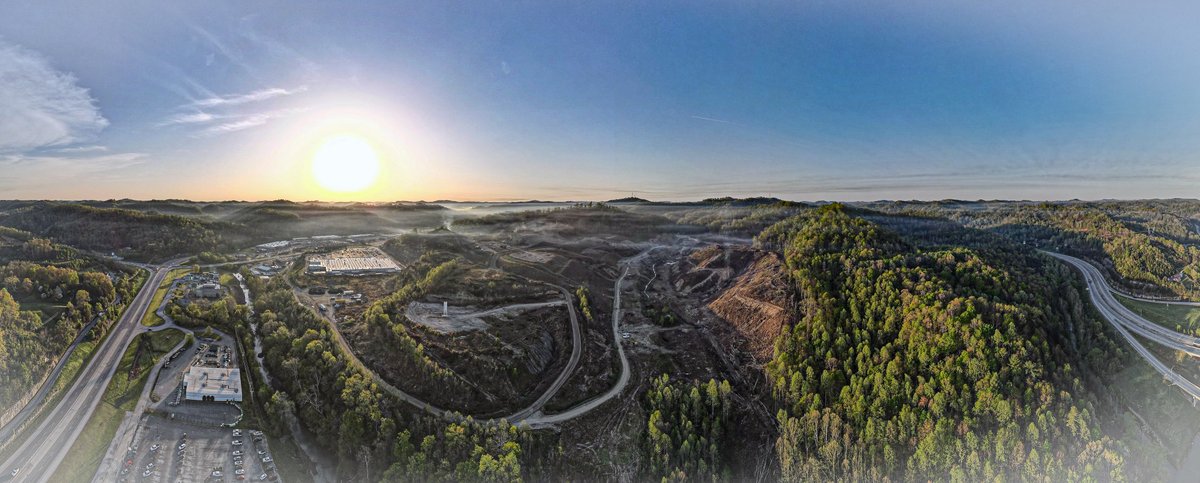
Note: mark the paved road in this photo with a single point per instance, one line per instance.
(1120, 314)
(1157, 301)
(45, 448)
(1127, 323)
(38, 399)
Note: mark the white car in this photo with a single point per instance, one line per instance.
(237, 442)
(267, 459)
(239, 471)
(14, 473)
(238, 453)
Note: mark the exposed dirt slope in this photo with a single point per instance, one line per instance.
(756, 304)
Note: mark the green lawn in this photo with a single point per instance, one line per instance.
(151, 318)
(1180, 318)
(121, 395)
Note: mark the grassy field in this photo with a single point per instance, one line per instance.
(151, 318)
(121, 395)
(1180, 318)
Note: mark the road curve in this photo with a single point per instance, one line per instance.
(1119, 316)
(44, 449)
(1126, 317)
(576, 353)
(622, 380)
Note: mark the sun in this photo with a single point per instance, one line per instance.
(345, 164)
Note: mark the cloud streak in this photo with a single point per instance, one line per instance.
(255, 96)
(41, 106)
(246, 122)
(217, 115)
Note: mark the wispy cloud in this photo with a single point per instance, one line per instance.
(711, 119)
(41, 106)
(217, 115)
(255, 96)
(190, 118)
(91, 148)
(247, 122)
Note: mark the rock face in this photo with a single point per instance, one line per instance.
(539, 353)
(757, 303)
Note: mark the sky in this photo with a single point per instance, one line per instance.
(844, 100)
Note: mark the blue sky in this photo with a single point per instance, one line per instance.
(592, 100)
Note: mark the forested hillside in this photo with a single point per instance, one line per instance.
(146, 235)
(42, 310)
(1148, 246)
(910, 363)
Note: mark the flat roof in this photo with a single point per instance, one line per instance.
(222, 382)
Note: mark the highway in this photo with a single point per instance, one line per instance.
(1128, 323)
(44, 448)
(38, 399)
(1119, 313)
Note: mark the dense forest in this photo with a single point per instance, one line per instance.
(1147, 246)
(687, 430)
(912, 363)
(43, 308)
(146, 235)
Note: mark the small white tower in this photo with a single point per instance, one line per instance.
(445, 309)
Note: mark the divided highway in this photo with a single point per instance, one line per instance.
(1128, 323)
(44, 448)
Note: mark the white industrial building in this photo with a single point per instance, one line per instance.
(352, 261)
(212, 384)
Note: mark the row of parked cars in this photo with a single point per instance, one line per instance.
(256, 449)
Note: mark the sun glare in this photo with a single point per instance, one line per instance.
(345, 164)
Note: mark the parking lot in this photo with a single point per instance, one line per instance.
(171, 451)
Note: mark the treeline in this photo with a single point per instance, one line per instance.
(223, 313)
(464, 451)
(576, 220)
(147, 235)
(687, 430)
(384, 319)
(937, 363)
(374, 435)
(736, 217)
